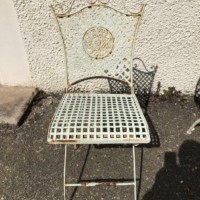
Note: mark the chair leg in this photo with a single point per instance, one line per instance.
(134, 174)
(64, 172)
(193, 126)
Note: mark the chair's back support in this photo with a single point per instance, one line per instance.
(96, 39)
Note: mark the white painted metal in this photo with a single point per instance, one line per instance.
(197, 100)
(123, 71)
(93, 184)
(98, 119)
(134, 174)
(193, 126)
(93, 46)
(64, 174)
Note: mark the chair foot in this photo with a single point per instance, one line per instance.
(192, 128)
(189, 132)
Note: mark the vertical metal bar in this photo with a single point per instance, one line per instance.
(64, 46)
(134, 174)
(64, 174)
(133, 45)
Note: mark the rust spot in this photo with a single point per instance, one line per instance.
(60, 15)
(84, 183)
(188, 190)
(65, 141)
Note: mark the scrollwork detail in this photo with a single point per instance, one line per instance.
(98, 42)
(104, 1)
(68, 8)
(91, 1)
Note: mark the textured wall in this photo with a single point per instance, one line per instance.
(169, 37)
(14, 67)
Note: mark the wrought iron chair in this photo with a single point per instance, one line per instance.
(96, 38)
(197, 101)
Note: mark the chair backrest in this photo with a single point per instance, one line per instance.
(97, 38)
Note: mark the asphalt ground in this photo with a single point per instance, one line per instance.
(167, 169)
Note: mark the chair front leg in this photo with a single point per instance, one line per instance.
(64, 172)
(134, 174)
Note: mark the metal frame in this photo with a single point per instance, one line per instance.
(94, 3)
(60, 129)
(93, 184)
(197, 101)
(98, 119)
(193, 126)
(142, 79)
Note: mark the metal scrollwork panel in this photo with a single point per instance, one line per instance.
(98, 42)
(96, 38)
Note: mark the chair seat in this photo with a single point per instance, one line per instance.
(98, 119)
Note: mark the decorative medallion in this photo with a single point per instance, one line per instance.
(98, 42)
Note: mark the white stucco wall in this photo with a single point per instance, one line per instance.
(14, 68)
(169, 36)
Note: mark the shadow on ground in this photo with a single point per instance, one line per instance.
(178, 181)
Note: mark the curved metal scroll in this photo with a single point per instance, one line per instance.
(66, 9)
(108, 85)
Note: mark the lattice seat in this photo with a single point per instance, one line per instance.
(98, 119)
